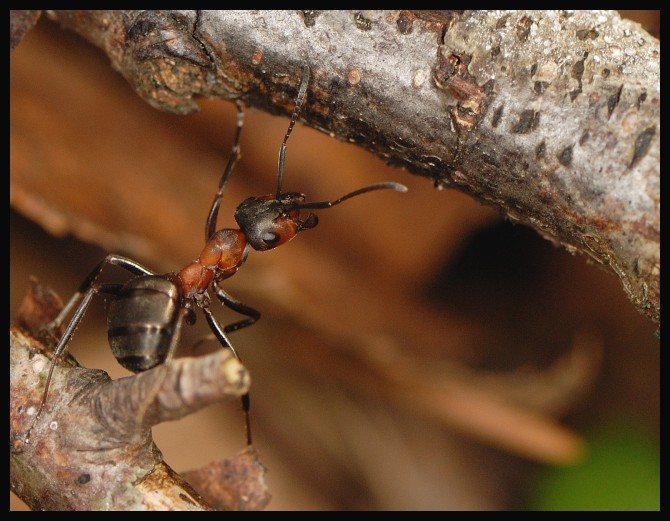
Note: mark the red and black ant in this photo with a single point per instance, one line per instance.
(146, 313)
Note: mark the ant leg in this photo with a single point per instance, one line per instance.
(210, 226)
(128, 264)
(302, 90)
(111, 289)
(176, 333)
(220, 334)
(81, 300)
(234, 304)
(243, 309)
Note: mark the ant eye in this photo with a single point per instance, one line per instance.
(270, 238)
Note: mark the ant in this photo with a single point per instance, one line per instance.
(146, 313)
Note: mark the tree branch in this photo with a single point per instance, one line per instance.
(552, 116)
(91, 447)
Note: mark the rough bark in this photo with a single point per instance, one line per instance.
(553, 116)
(20, 22)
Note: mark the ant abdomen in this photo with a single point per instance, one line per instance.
(141, 322)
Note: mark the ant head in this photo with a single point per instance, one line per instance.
(272, 220)
(269, 222)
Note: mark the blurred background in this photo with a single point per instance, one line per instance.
(416, 351)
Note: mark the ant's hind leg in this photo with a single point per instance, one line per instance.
(124, 262)
(79, 313)
(78, 304)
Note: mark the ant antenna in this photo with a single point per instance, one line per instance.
(296, 110)
(327, 204)
(282, 159)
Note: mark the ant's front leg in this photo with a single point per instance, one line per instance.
(210, 226)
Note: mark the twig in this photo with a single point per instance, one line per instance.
(91, 446)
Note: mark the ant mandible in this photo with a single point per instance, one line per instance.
(146, 313)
